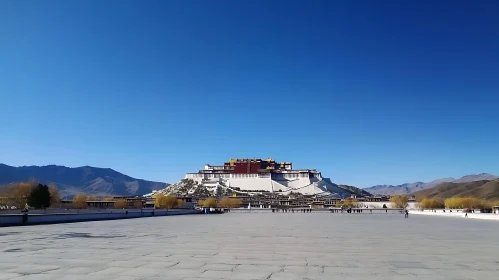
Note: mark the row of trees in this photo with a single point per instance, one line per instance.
(225, 202)
(401, 201)
(32, 193)
(169, 201)
(348, 202)
(451, 203)
(469, 202)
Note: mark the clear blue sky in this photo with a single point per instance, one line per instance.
(368, 92)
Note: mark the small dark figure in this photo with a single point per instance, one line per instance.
(25, 216)
(406, 214)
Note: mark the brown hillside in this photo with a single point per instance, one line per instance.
(481, 189)
(489, 191)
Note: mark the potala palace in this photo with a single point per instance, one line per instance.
(258, 175)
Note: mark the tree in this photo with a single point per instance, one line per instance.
(235, 203)
(180, 203)
(19, 193)
(55, 197)
(39, 197)
(165, 201)
(224, 202)
(158, 200)
(350, 202)
(80, 201)
(399, 201)
(138, 204)
(170, 201)
(210, 202)
(228, 202)
(120, 203)
(429, 203)
(200, 203)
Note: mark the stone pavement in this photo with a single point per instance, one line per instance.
(244, 246)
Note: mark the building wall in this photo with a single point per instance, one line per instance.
(295, 182)
(255, 166)
(241, 167)
(250, 184)
(16, 220)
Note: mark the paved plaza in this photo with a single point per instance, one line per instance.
(275, 246)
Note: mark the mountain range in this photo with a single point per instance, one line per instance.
(105, 181)
(408, 188)
(85, 179)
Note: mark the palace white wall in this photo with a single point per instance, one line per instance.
(251, 183)
(294, 183)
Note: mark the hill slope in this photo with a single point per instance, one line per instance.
(355, 190)
(414, 187)
(86, 179)
(483, 189)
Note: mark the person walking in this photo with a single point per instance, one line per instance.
(406, 213)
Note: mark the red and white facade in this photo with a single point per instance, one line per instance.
(264, 175)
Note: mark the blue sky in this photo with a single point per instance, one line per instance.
(368, 92)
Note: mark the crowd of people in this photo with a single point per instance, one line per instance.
(284, 210)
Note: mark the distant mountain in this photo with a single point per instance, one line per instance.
(414, 187)
(484, 189)
(477, 177)
(437, 182)
(398, 189)
(355, 190)
(86, 179)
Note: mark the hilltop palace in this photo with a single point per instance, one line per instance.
(265, 175)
